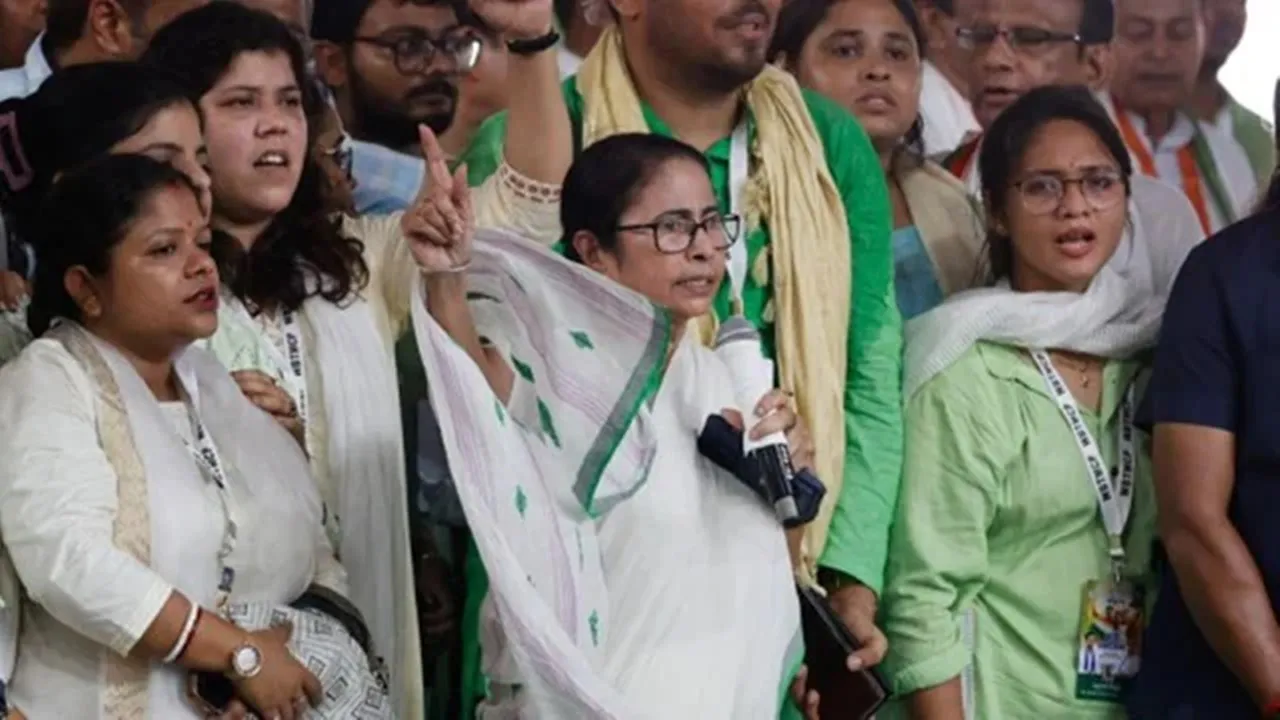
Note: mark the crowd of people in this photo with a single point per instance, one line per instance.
(426, 359)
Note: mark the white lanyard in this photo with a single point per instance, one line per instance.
(295, 359)
(739, 168)
(210, 463)
(293, 362)
(1115, 493)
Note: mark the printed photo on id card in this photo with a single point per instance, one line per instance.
(1110, 642)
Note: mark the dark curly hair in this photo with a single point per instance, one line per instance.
(84, 216)
(303, 252)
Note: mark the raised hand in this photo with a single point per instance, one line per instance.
(516, 19)
(440, 224)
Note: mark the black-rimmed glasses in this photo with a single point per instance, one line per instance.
(413, 53)
(1030, 40)
(673, 234)
(1043, 193)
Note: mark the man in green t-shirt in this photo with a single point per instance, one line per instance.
(690, 62)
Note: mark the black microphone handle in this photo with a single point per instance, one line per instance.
(774, 465)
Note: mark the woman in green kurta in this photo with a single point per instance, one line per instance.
(1005, 516)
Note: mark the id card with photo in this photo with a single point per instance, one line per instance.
(1109, 646)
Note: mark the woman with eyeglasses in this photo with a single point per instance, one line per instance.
(1020, 562)
(631, 572)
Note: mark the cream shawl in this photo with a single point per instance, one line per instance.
(792, 193)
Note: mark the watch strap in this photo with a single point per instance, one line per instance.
(533, 46)
(833, 579)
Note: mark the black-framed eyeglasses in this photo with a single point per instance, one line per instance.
(1026, 39)
(673, 234)
(1043, 193)
(412, 53)
(342, 155)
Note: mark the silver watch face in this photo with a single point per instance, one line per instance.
(246, 661)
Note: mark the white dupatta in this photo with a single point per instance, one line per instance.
(367, 470)
(167, 518)
(1118, 315)
(571, 452)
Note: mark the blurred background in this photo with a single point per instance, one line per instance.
(1251, 73)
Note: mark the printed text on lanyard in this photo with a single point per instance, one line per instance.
(210, 463)
(1114, 490)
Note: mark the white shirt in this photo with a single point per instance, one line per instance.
(948, 116)
(1232, 165)
(21, 81)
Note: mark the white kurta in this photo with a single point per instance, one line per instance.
(1232, 165)
(702, 601)
(58, 500)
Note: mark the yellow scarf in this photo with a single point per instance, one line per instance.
(791, 192)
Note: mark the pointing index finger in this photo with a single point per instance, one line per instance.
(437, 169)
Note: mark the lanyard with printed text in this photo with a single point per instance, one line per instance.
(293, 362)
(1114, 490)
(205, 453)
(739, 167)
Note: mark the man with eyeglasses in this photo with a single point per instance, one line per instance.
(1159, 49)
(394, 65)
(1019, 45)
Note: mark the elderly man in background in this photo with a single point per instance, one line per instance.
(1213, 105)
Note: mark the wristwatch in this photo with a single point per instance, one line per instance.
(246, 661)
(834, 580)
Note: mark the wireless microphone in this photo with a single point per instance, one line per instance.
(738, 345)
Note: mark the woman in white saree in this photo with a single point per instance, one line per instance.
(128, 458)
(663, 585)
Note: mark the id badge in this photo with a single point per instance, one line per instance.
(1110, 640)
